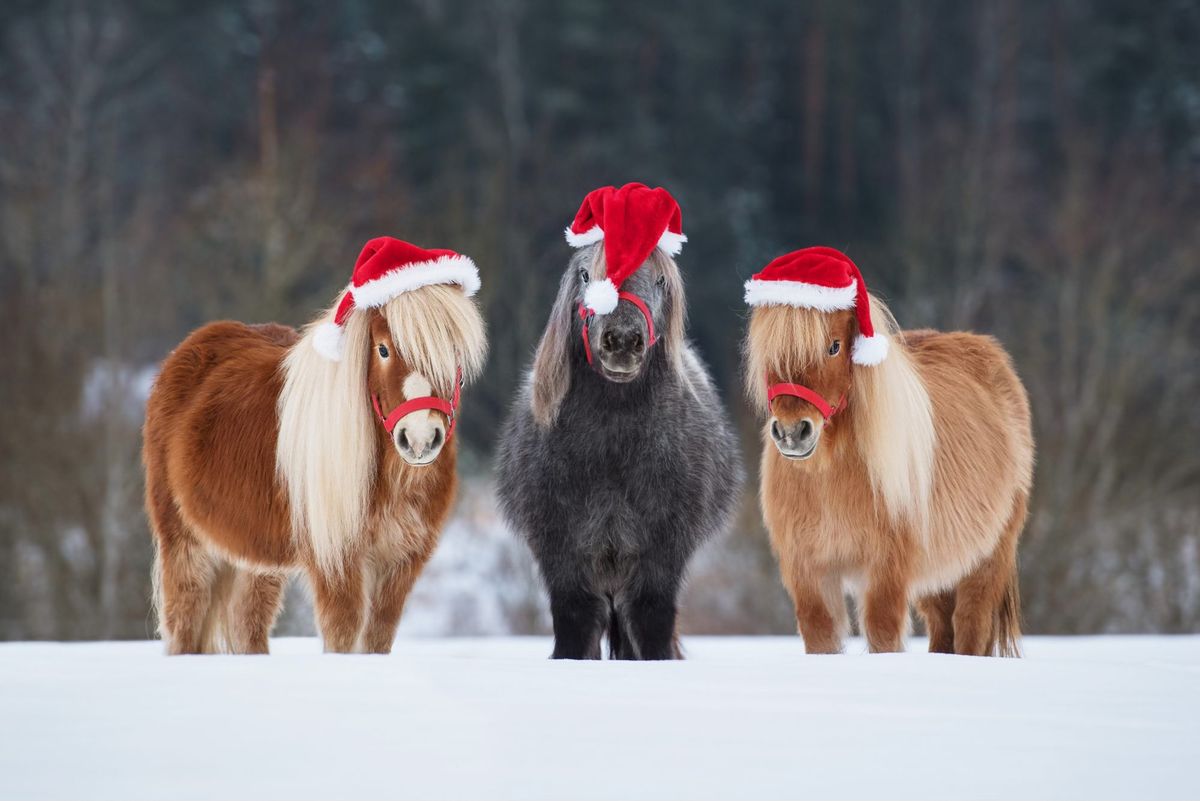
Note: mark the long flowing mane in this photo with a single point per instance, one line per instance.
(326, 452)
(550, 377)
(893, 415)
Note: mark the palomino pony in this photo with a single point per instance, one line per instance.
(263, 456)
(898, 472)
(617, 461)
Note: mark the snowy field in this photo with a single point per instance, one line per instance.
(1086, 718)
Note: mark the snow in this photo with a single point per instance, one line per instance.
(1111, 717)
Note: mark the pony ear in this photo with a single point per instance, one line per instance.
(550, 377)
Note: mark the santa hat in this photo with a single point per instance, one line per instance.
(826, 280)
(632, 221)
(385, 269)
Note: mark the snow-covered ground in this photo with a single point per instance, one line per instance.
(1105, 717)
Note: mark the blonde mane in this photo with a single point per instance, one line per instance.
(893, 415)
(326, 452)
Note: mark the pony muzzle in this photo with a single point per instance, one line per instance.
(624, 344)
(419, 437)
(622, 351)
(621, 337)
(797, 439)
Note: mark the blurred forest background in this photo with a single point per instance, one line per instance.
(1024, 168)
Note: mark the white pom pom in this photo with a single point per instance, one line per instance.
(600, 296)
(327, 341)
(869, 350)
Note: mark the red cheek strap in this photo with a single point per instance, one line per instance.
(586, 314)
(804, 393)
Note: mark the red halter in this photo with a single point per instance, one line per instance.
(587, 314)
(417, 404)
(804, 393)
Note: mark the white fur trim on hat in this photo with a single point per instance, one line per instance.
(442, 270)
(671, 243)
(869, 350)
(328, 340)
(798, 293)
(601, 296)
(588, 237)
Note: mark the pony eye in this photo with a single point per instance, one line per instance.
(662, 280)
(383, 351)
(584, 275)
(835, 347)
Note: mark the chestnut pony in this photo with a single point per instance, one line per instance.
(910, 485)
(263, 456)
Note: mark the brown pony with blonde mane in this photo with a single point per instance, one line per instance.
(914, 490)
(263, 456)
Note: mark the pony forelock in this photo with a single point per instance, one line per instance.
(783, 340)
(436, 329)
(326, 452)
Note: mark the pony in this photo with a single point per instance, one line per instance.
(904, 481)
(616, 461)
(265, 457)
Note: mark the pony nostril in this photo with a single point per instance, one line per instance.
(403, 441)
(437, 439)
(638, 344)
(608, 341)
(806, 429)
(776, 431)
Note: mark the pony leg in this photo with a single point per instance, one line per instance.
(183, 573)
(651, 614)
(885, 606)
(339, 604)
(987, 617)
(938, 612)
(820, 605)
(821, 631)
(579, 620)
(387, 603)
(255, 603)
(186, 575)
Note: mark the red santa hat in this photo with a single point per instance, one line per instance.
(632, 221)
(385, 269)
(826, 280)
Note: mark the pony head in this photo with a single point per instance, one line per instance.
(798, 350)
(415, 343)
(621, 340)
(418, 352)
(649, 315)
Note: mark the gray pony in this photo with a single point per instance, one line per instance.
(615, 469)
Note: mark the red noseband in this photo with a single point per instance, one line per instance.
(448, 408)
(804, 393)
(587, 314)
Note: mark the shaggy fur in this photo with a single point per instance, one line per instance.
(263, 457)
(615, 485)
(917, 489)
